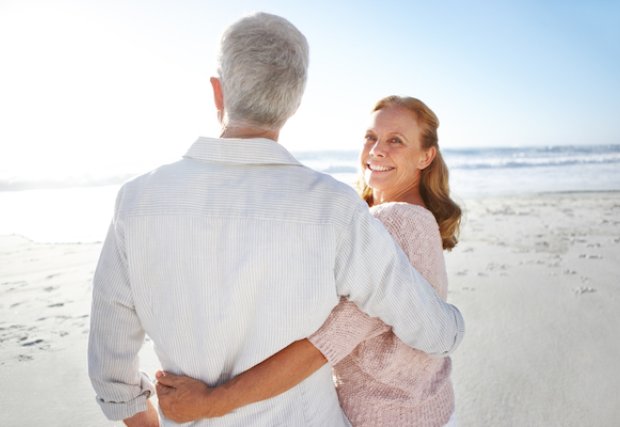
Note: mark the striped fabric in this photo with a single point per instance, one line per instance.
(230, 254)
(381, 381)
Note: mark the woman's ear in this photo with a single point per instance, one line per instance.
(427, 158)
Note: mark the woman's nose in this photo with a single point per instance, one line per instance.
(377, 149)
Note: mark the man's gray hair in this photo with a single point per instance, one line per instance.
(263, 67)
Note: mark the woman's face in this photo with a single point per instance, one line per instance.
(392, 157)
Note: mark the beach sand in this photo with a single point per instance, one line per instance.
(536, 278)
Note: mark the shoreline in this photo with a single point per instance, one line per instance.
(535, 276)
(64, 220)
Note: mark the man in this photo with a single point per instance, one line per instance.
(230, 254)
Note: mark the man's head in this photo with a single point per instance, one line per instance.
(263, 66)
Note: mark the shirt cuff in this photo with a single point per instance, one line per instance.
(460, 328)
(459, 334)
(122, 410)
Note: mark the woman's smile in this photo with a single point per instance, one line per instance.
(379, 168)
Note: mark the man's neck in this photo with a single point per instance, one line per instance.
(241, 132)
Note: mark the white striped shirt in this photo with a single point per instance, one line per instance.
(230, 254)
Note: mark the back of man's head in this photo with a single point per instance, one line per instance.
(263, 66)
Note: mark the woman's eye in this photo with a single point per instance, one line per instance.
(396, 141)
(370, 138)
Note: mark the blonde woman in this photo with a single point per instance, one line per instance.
(379, 379)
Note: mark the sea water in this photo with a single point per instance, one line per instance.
(83, 213)
(480, 172)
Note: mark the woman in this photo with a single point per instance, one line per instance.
(380, 381)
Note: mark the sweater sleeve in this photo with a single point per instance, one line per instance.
(415, 230)
(344, 329)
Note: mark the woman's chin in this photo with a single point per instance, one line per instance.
(376, 181)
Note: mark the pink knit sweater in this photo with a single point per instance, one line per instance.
(380, 380)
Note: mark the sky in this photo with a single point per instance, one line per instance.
(101, 87)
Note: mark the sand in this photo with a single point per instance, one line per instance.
(536, 277)
(538, 281)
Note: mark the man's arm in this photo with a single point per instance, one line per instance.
(184, 399)
(374, 273)
(116, 336)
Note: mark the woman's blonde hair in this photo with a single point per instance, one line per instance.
(434, 185)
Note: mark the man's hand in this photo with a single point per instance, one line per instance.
(148, 418)
(184, 399)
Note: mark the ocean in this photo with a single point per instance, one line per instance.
(82, 213)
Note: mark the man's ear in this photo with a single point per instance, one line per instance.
(427, 158)
(218, 96)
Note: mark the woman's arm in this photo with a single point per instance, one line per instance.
(184, 399)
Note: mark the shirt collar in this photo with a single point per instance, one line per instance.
(248, 151)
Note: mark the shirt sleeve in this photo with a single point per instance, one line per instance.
(374, 273)
(116, 336)
(417, 233)
(343, 330)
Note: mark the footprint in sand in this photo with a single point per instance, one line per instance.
(568, 212)
(79, 322)
(494, 266)
(31, 343)
(584, 290)
(58, 304)
(15, 285)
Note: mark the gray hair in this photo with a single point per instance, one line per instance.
(263, 66)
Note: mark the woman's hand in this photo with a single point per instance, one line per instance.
(184, 399)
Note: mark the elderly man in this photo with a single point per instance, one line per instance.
(233, 252)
